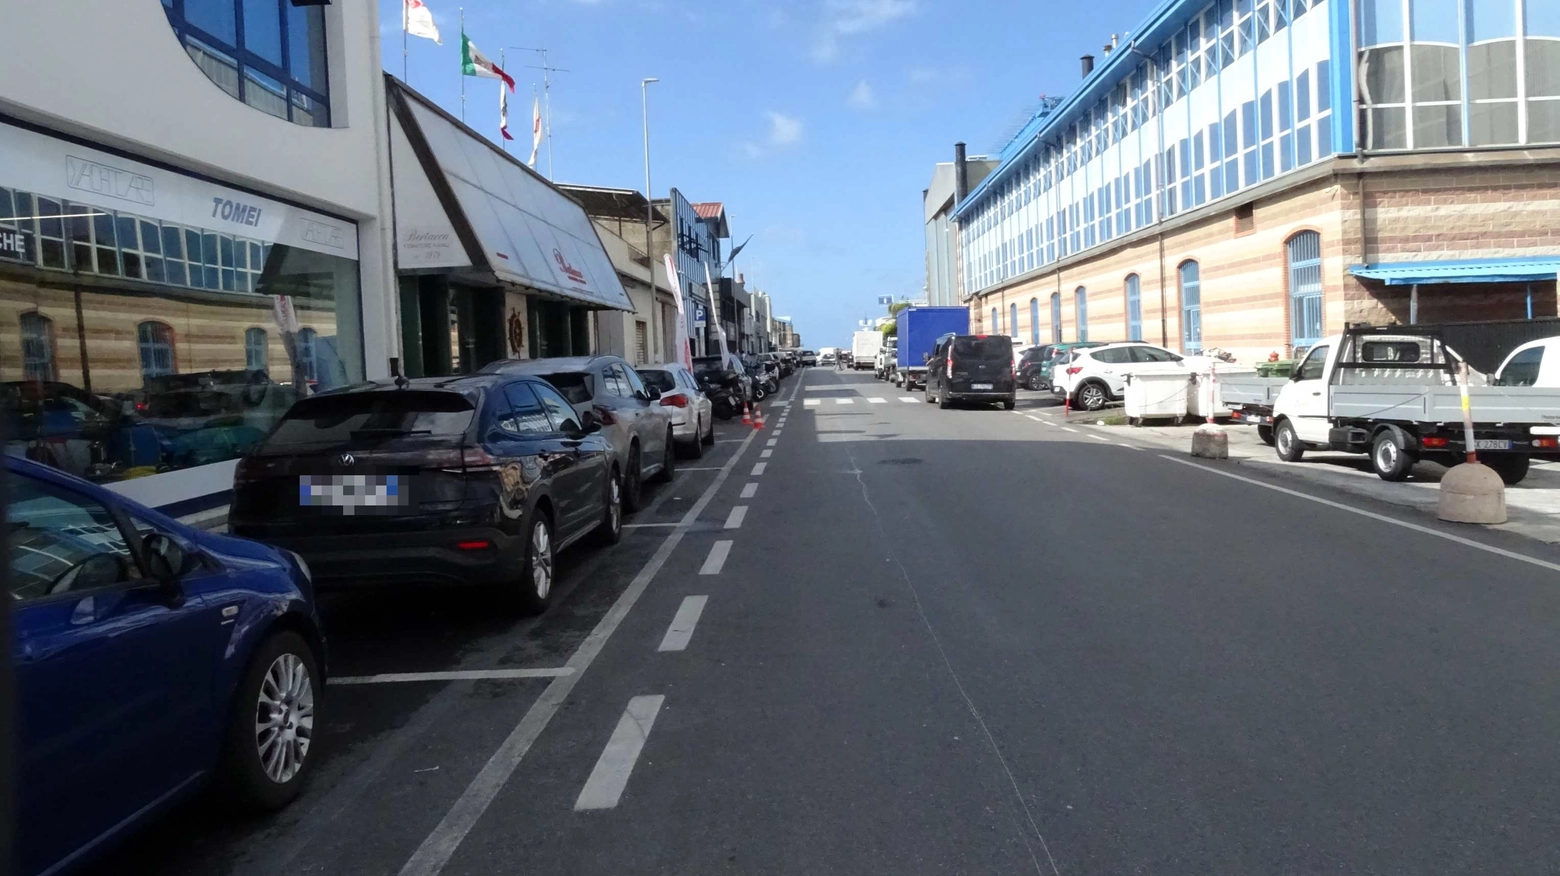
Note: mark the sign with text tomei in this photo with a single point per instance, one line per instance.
(68, 171)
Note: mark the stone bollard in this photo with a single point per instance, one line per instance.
(1210, 442)
(1472, 493)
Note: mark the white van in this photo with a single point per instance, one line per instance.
(1535, 363)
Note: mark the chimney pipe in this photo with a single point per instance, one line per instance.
(961, 174)
(1088, 65)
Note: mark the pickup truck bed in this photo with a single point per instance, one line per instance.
(1427, 403)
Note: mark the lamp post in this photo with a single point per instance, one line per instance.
(644, 94)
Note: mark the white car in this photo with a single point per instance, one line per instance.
(693, 415)
(1093, 377)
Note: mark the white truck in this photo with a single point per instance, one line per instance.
(1394, 393)
(864, 346)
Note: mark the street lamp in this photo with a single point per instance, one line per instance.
(644, 94)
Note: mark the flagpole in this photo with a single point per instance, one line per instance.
(406, 24)
(502, 140)
(463, 72)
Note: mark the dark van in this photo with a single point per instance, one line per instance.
(976, 368)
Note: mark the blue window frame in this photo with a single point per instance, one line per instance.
(1034, 321)
(1305, 289)
(1134, 308)
(269, 54)
(1191, 308)
(156, 342)
(255, 348)
(38, 347)
(1081, 312)
(1056, 317)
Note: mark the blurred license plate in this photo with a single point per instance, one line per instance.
(1490, 444)
(980, 386)
(353, 494)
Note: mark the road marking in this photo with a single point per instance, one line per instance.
(908, 400)
(1098, 437)
(878, 401)
(1069, 429)
(606, 783)
(749, 491)
(731, 441)
(646, 525)
(1467, 542)
(765, 454)
(440, 844)
(716, 561)
(709, 468)
(1035, 418)
(844, 401)
(780, 404)
(758, 468)
(456, 675)
(771, 442)
(1129, 446)
(735, 518)
(779, 432)
(681, 630)
(812, 402)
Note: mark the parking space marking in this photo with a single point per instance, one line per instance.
(844, 401)
(909, 400)
(1069, 429)
(771, 442)
(878, 401)
(749, 491)
(735, 518)
(765, 454)
(758, 468)
(1098, 437)
(606, 783)
(716, 561)
(681, 630)
(812, 402)
(457, 675)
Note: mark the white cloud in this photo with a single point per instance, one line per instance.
(862, 97)
(849, 18)
(784, 131)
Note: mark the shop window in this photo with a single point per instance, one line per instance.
(157, 356)
(1134, 308)
(1081, 312)
(38, 347)
(269, 54)
(1191, 308)
(1304, 252)
(256, 349)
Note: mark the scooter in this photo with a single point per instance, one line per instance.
(726, 401)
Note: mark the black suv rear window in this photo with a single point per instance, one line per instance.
(366, 417)
(577, 387)
(991, 349)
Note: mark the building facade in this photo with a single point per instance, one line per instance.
(951, 182)
(696, 251)
(1208, 186)
(175, 272)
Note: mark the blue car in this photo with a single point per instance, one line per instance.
(150, 659)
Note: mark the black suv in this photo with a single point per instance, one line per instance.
(469, 480)
(971, 368)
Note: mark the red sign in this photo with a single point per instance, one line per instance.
(573, 273)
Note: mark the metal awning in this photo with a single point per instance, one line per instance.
(1526, 270)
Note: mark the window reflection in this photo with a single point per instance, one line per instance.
(268, 53)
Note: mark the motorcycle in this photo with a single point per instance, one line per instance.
(724, 398)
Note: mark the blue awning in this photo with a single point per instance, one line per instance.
(1470, 271)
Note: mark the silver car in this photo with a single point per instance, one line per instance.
(607, 388)
(693, 415)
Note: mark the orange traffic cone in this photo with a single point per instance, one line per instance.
(747, 419)
(758, 417)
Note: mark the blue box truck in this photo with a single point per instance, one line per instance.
(919, 329)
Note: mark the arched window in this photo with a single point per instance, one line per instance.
(1056, 317)
(156, 342)
(1013, 320)
(1081, 312)
(1034, 321)
(38, 347)
(1305, 289)
(269, 54)
(306, 360)
(1134, 308)
(255, 351)
(1191, 308)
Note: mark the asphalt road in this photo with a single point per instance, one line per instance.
(947, 641)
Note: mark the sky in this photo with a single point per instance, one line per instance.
(817, 123)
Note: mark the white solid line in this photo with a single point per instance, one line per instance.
(812, 402)
(681, 630)
(716, 561)
(456, 675)
(1069, 429)
(1467, 542)
(765, 454)
(646, 525)
(731, 441)
(771, 442)
(749, 491)
(1035, 418)
(844, 401)
(708, 468)
(735, 518)
(878, 401)
(1098, 437)
(606, 783)
(908, 400)
(440, 844)
(1129, 446)
(758, 468)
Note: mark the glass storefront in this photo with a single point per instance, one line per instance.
(131, 345)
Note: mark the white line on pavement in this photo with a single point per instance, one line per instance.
(812, 402)
(878, 401)
(758, 468)
(844, 401)
(1129, 446)
(681, 630)
(1035, 418)
(749, 491)
(765, 454)
(716, 561)
(779, 432)
(1098, 437)
(709, 468)
(646, 525)
(457, 675)
(779, 404)
(731, 441)
(735, 518)
(1069, 429)
(440, 844)
(1467, 542)
(908, 400)
(606, 783)
(771, 442)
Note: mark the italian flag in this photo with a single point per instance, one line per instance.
(474, 63)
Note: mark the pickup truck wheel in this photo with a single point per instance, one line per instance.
(1391, 461)
(1513, 469)
(1287, 443)
(1265, 435)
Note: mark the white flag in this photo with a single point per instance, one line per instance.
(672, 277)
(536, 127)
(417, 20)
(720, 330)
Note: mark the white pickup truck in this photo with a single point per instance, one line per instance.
(1394, 393)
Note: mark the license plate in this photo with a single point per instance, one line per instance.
(980, 386)
(353, 494)
(1490, 444)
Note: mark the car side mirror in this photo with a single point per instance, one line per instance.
(165, 560)
(652, 394)
(926, 357)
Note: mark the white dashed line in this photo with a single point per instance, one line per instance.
(606, 783)
(844, 401)
(1099, 437)
(735, 518)
(749, 491)
(771, 442)
(1129, 447)
(812, 402)
(758, 468)
(681, 630)
(1069, 429)
(459, 675)
(765, 454)
(717, 558)
(878, 401)
(1035, 418)
(908, 400)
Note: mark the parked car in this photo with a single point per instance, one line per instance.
(1035, 365)
(693, 416)
(639, 429)
(809, 358)
(1535, 363)
(466, 480)
(828, 357)
(150, 657)
(971, 368)
(883, 364)
(1093, 377)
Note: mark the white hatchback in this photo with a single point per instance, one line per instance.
(1093, 377)
(693, 415)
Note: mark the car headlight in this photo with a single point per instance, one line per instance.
(308, 575)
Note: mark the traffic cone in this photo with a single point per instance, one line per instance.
(758, 417)
(747, 419)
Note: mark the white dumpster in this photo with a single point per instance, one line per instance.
(1204, 400)
(1157, 393)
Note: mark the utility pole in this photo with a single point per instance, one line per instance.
(644, 95)
(547, 72)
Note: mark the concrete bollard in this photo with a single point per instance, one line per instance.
(1472, 493)
(1209, 441)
